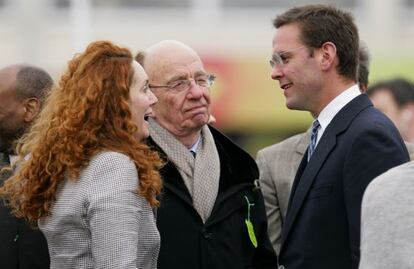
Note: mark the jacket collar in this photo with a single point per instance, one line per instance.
(237, 168)
(303, 142)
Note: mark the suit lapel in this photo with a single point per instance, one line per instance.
(307, 171)
(304, 179)
(303, 143)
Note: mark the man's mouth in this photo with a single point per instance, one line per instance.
(286, 86)
(202, 107)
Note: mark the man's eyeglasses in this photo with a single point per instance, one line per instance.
(180, 85)
(279, 59)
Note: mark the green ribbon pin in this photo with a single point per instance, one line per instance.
(249, 224)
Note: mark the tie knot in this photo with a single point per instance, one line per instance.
(314, 138)
(315, 126)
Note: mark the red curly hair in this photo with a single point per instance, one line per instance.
(86, 113)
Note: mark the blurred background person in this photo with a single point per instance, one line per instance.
(211, 213)
(364, 61)
(89, 182)
(387, 220)
(23, 89)
(395, 98)
(279, 163)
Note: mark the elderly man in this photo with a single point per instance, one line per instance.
(212, 215)
(22, 90)
(315, 59)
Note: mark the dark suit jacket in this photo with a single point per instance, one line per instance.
(222, 242)
(21, 247)
(322, 227)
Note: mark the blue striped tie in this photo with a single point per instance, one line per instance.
(314, 138)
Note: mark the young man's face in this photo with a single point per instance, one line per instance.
(294, 66)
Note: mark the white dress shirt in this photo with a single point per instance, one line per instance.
(330, 111)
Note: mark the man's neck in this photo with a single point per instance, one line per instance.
(187, 137)
(331, 92)
(189, 140)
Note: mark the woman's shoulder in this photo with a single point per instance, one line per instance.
(111, 159)
(109, 162)
(113, 156)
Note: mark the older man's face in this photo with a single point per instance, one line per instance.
(184, 111)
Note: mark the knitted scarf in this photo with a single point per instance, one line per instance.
(201, 174)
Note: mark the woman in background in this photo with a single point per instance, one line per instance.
(90, 183)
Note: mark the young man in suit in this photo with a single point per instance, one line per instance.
(278, 164)
(315, 59)
(22, 91)
(212, 214)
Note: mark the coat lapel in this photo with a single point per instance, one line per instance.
(303, 143)
(172, 179)
(307, 171)
(304, 179)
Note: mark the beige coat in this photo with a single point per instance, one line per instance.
(278, 165)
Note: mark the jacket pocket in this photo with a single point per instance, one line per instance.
(319, 191)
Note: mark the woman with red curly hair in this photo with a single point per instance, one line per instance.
(90, 183)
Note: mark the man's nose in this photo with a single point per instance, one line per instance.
(277, 72)
(195, 90)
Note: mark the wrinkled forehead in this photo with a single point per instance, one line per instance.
(165, 63)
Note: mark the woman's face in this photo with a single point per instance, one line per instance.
(142, 99)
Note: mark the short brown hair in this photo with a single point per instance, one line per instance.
(322, 23)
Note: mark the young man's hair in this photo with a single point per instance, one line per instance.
(321, 23)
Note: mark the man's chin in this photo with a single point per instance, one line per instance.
(291, 104)
(197, 122)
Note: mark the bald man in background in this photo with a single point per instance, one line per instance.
(22, 91)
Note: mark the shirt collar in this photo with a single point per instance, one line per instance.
(194, 147)
(329, 112)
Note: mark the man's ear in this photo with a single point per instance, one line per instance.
(31, 109)
(329, 58)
